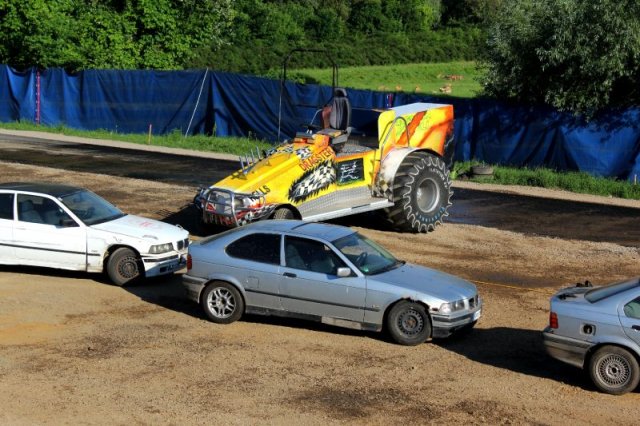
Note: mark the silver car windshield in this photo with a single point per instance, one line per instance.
(366, 255)
(600, 293)
(91, 208)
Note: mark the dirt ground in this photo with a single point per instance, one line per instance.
(74, 349)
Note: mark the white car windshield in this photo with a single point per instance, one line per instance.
(91, 208)
(366, 255)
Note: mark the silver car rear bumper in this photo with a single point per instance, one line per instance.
(566, 349)
(193, 286)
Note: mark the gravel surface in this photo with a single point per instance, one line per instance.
(74, 349)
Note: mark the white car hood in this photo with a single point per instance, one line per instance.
(143, 228)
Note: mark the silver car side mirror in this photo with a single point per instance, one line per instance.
(343, 272)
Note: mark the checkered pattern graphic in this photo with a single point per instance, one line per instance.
(243, 218)
(256, 214)
(383, 189)
(303, 153)
(312, 182)
(287, 149)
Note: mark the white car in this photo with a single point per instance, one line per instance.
(67, 227)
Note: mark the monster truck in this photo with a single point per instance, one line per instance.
(332, 170)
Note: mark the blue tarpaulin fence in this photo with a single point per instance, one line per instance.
(224, 104)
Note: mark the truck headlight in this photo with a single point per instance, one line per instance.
(238, 203)
(161, 248)
(243, 202)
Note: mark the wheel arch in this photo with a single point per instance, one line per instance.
(390, 164)
(227, 281)
(387, 309)
(593, 349)
(112, 248)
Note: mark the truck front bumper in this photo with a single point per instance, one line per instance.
(227, 208)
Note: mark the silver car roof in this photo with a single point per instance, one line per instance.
(298, 227)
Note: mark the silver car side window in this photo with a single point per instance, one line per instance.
(264, 248)
(632, 309)
(311, 255)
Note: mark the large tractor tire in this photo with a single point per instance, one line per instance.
(421, 193)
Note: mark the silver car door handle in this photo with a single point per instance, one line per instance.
(636, 327)
(289, 274)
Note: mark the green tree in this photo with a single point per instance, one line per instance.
(577, 55)
(481, 12)
(32, 33)
(358, 32)
(77, 34)
(412, 16)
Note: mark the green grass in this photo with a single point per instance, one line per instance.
(229, 145)
(578, 182)
(427, 79)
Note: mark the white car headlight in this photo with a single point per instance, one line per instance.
(161, 248)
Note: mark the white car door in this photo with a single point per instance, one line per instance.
(46, 235)
(7, 253)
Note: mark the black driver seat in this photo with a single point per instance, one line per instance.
(339, 117)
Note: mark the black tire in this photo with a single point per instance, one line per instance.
(124, 266)
(481, 170)
(614, 370)
(421, 193)
(283, 213)
(408, 323)
(222, 302)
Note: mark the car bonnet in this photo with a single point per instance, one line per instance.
(143, 228)
(429, 281)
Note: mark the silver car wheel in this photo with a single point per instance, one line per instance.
(614, 370)
(410, 322)
(221, 302)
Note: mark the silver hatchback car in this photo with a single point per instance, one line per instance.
(326, 273)
(598, 328)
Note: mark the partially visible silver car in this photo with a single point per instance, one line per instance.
(598, 329)
(326, 273)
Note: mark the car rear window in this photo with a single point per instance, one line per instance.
(263, 248)
(600, 293)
